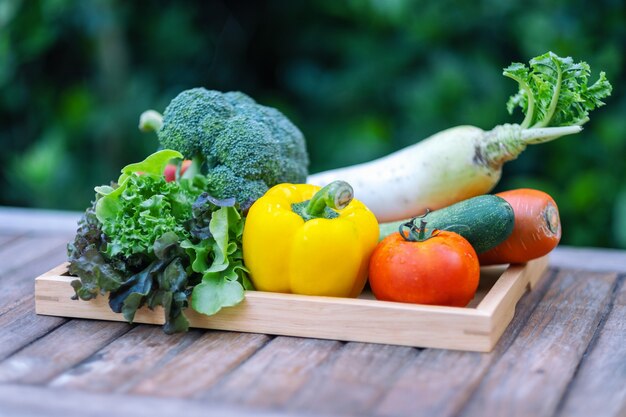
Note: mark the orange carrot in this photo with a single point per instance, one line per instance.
(537, 228)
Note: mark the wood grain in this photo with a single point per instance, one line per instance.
(500, 303)
(18, 273)
(361, 320)
(27, 249)
(125, 361)
(23, 260)
(353, 380)
(599, 386)
(38, 221)
(271, 377)
(6, 239)
(297, 315)
(589, 259)
(562, 355)
(21, 326)
(440, 382)
(532, 375)
(60, 349)
(201, 365)
(33, 401)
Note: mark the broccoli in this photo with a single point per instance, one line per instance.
(241, 146)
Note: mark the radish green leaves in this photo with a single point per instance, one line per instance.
(554, 91)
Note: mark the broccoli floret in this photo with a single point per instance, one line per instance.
(245, 191)
(243, 147)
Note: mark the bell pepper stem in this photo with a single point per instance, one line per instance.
(336, 195)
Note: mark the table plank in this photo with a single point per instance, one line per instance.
(35, 401)
(562, 355)
(26, 249)
(38, 221)
(533, 374)
(440, 382)
(589, 259)
(126, 360)
(271, 377)
(599, 387)
(203, 364)
(20, 326)
(60, 349)
(353, 379)
(22, 262)
(7, 237)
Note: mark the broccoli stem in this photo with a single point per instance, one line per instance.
(150, 121)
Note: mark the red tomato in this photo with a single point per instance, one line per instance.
(170, 170)
(441, 270)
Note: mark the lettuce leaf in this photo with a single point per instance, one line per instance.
(148, 208)
(86, 261)
(162, 283)
(148, 242)
(215, 250)
(153, 165)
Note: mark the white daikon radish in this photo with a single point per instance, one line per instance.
(466, 161)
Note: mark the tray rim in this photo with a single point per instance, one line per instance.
(464, 328)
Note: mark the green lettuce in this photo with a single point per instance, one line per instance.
(158, 243)
(144, 206)
(164, 282)
(215, 250)
(97, 274)
(148, 208)
(153, 165)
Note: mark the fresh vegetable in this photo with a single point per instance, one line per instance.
(536, 232)
(485, 221)
(413, 266)
(143, 207)
(305, 240)
(242, 147)
(173, 171)
(156, 243)
(215, 251)
(466, 161)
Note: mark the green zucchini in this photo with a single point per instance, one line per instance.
(485, 221)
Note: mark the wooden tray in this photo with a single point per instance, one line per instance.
(476, 327)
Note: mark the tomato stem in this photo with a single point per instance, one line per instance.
(422, 230)
(415, 233)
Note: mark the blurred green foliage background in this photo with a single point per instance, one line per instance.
(361, 78)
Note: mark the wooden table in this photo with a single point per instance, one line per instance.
(564, 354)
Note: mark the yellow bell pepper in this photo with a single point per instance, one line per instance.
(304, 239)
